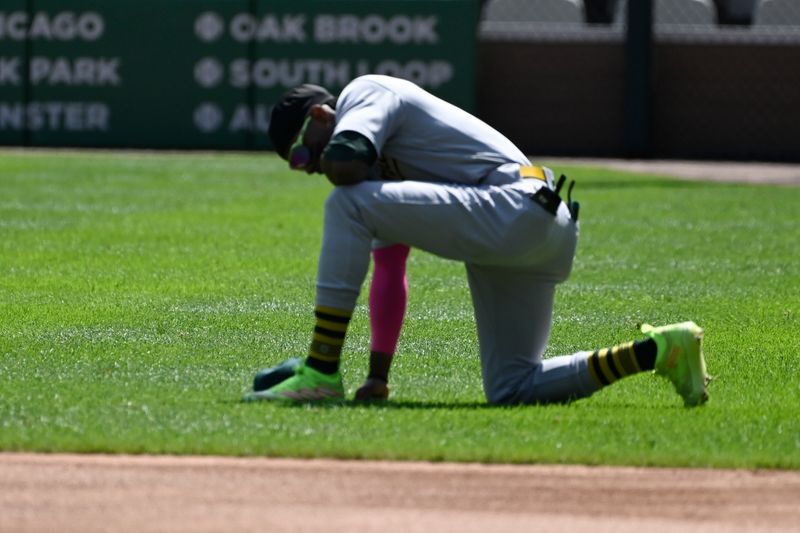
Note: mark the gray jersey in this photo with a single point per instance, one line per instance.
(420, 137)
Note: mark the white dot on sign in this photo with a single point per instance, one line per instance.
(208, 26)
(208, 72)
(207, 117)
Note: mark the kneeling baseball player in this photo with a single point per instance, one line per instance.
(411, 170)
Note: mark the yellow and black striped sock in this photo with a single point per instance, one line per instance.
(326, 344)
(611, 364)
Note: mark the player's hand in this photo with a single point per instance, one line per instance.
(372, 390)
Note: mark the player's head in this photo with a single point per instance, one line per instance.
(300, 125)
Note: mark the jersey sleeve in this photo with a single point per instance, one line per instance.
(369, 109)
(350, 146)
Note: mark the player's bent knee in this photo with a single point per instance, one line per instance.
(507, 395)
(531, 389)
(339, 204)
(348, 196)
(499, 401)
(336, 197)
(519, 399)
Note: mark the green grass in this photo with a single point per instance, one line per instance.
(140, 292)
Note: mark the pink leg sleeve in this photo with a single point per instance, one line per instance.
(388, 296)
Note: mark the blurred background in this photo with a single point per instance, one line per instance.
(680, 79)
(707, 79)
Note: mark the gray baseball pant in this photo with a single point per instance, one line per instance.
(515, 253)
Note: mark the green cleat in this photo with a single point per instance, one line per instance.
(307, 385)
(680, 359)
(269, 377)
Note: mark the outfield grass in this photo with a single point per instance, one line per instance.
(139, 293)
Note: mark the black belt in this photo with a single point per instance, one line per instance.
(549, 199)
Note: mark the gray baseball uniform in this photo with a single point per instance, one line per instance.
(462, 197)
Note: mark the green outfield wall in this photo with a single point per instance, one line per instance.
(204, 73)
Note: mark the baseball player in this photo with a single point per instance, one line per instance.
(410, 168)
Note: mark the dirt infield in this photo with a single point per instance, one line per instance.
(96, 493)
(74, 493)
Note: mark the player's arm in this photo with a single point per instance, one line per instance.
(347, 158)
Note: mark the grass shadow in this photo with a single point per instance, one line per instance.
(353, 404)
(399, 405)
